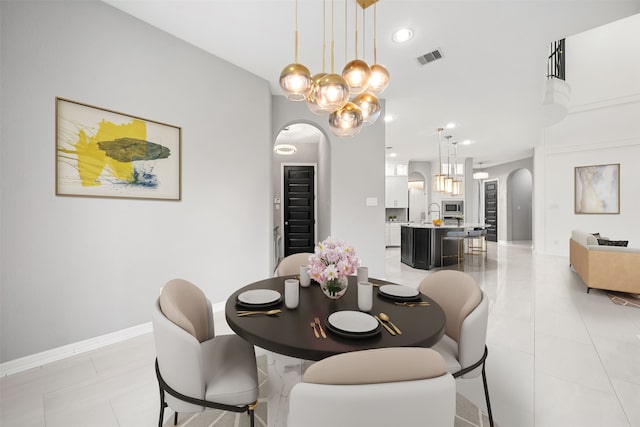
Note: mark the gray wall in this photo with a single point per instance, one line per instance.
(76, 268)
(357, 172)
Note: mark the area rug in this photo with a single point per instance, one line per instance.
(467, 414)
(623, 298)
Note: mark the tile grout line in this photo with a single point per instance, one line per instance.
(604, 367)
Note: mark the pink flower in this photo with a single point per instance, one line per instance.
(332, 259)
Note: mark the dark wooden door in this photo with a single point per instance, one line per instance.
(491, 209)
(299, 209)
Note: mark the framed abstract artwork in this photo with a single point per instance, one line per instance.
(103, 153)
(597, 189)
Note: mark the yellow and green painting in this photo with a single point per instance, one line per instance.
(105, 153)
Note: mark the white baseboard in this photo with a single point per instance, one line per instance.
(39, 359)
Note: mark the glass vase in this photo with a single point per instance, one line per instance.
(336, 288)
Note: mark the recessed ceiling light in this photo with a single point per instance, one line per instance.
(403, 35)
(392, 155)
(450, 125)
(467, 142)
(389, 118)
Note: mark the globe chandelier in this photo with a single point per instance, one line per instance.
(350, 99)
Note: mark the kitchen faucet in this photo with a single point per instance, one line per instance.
(429, 210)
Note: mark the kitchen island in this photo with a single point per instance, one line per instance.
(420, 244)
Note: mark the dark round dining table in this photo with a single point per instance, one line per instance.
(290, 332)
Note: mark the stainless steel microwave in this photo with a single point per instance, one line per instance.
(453, 207)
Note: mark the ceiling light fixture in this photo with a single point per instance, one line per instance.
(285, 149)
(390, 118)
(438, 179)
(456, 189)
(330, 93)
(402, 35)
(480, 175)
(451, 126)
(448, 181)
(295, 78)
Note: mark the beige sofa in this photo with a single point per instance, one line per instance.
(613, 268)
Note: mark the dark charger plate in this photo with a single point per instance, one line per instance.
(347, 334)
(399, 298)
(259, 306)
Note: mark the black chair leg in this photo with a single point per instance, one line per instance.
(175, 419)
(162, 405)
(252, 418)
(486, 395)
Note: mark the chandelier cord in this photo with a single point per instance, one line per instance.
(375, 31)
(296, 48)
(324, 35)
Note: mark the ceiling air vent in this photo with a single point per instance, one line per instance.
(429, 57)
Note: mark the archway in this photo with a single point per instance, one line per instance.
(311, 151)
(519, 205)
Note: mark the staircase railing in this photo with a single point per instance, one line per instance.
(555, 63)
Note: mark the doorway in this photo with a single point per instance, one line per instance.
(491, 209)
(298, 195)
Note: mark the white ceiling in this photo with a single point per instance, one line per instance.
(490, 81)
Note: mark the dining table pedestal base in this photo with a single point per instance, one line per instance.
(284, 372)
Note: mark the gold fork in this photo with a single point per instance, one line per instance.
(315, 331)
(317, 320)
(413, 304)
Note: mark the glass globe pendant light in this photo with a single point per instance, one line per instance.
(456, 187)
(438, 179)
(448, 181)
(312, 98)
(379, 79)
(295, 78)
(312, 102)
(346, 121)
(356, 72)
(332, 91)
(370, 106)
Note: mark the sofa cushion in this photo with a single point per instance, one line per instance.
(607, 242)
(583, 238)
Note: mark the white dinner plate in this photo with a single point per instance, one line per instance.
(398, 291)
(259, 296)
(352, 321)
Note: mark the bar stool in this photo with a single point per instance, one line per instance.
(476, 243)
(458, 237)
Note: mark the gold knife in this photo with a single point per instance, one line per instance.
(317, 320)
(391, 331)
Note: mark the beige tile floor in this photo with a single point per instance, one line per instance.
(557, 357)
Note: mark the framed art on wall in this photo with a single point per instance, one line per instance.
(103, 153)
(597, 189)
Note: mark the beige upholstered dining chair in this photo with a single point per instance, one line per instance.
(195, 368)
(467, 311)
(291, 264)
(402, 386)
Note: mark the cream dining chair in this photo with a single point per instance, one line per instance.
(467, 312)
(195, 368)
(290, 265)
(403, 386)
